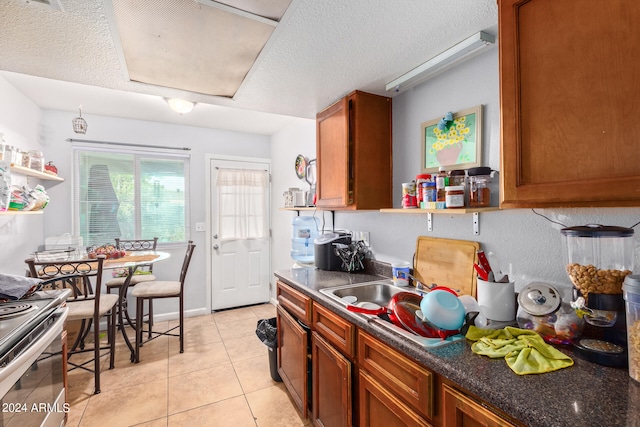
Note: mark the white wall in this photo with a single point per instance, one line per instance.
(530, 243)
(299, 138)
(19, 118)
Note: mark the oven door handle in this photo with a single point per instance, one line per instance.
(11, 373)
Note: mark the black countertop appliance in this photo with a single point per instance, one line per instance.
(325, 254)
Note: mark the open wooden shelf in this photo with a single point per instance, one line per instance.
(457, 211)
(37, 174)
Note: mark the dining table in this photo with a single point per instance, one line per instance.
(130, 263)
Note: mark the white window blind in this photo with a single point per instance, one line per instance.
(130, 194)
(242, 204)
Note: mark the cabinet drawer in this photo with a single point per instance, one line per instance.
(298, 304)
(461, 410)
(334, 329)
(404, 378)
(378, 407)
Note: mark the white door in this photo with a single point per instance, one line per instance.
(240, 224)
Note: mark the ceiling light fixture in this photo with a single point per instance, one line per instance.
(180, 106)
(79, 124)
(455, 54)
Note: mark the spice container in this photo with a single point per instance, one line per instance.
(36, 160)
(442, 180)
(454, 196)
(409, 194)
(479, 187)
(420, 179)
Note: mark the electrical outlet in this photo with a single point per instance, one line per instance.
(200, 226)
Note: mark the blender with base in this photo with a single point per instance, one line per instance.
(597, 259)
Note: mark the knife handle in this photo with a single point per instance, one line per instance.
(484, 263)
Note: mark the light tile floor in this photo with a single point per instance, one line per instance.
(221, 379)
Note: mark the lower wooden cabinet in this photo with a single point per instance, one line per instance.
(404, 378)
(378, 407)
(462, 411)
(293, 358)
(331, 380)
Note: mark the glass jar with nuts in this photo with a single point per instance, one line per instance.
(598, 257)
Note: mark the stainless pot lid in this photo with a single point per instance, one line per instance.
(539, 299)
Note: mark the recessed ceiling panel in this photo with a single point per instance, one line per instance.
(187, 45)
(272, 9)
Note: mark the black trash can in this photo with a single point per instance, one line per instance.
(267, 331)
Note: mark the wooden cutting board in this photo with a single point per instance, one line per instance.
(446, 262)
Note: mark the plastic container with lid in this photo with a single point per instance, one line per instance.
(428, 194)
(454, 196)
(479, 187)
(541, 309)
(24, 159)
(420, 179)
(36, 160)
(631, 294)
(305, 231)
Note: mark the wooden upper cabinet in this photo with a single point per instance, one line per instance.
(354, 163)
(569, 94)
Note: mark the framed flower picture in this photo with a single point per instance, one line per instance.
(453, 141)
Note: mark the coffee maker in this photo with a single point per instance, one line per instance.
(597, 259)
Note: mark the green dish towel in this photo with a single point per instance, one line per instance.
(524, 351)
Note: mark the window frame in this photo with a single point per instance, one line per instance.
(139, 153)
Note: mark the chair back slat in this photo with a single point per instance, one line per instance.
(75, 275)
(186, 262)
(134, 245)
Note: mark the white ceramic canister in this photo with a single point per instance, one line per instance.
(400, 272)
(497, 301)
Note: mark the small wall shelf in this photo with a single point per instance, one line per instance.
(475, 213)
(37, 174)
(22, 212)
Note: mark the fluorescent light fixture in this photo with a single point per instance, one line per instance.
(180, 105)
(438, 63)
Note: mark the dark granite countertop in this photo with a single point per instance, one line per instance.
(585, 394)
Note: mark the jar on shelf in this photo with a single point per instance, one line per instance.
(36, 160)
(457, 177)
(428, 191)
(24, 160)
(479, 187)
(9, 153)
(454, 197)
(420, 179)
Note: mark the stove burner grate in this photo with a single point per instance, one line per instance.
(14, 309)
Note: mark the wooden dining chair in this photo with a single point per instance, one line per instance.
(134, 245)
(161, 289)
(86, 304)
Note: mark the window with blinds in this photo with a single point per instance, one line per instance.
(130, 194)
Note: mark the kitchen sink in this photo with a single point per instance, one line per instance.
(380, 292)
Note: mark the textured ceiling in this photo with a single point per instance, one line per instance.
(320, 51)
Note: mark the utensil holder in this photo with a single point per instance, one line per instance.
(497, 301)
